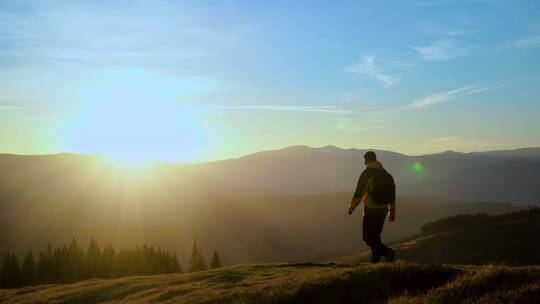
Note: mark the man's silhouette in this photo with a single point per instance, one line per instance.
(377, 190)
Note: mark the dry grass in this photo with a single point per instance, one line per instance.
(511, 239)
(301, 283)
(488, 284)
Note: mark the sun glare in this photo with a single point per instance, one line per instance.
(126, 168)
(130, 160)
(133, 127)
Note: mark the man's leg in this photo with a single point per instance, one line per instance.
(372, 225)
(367, 236)
(379, 223)
(382, 249)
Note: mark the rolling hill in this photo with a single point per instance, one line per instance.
(296, 227)
(397, 283)
(506, 175)
(510, 238)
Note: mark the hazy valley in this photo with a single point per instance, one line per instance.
(54, 198)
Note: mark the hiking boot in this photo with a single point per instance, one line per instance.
(375, 259)
(389, 257)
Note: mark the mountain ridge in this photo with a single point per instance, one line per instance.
(530, 150)
(169, 205)
(450, 175)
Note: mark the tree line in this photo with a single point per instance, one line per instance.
(72, 262)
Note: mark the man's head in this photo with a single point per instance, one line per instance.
(369, 157)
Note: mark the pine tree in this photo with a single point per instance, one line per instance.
(29, 271)
(215, 261)
(10, 276)
(44, 265)
(15, 271)
(75, 260)
(4, 271)
(70, 263)
(93, 261)
(109, 262)
(176, 267)
(196, 262)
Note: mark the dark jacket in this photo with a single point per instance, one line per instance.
(364, 187)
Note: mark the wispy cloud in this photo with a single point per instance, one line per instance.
(438, 97)
(442, 50)
(448, 31)
(321, 109)
(431, 2)
(461, 32)
(368, 66)
(24, 104)
(529, 42)
(351, 124)
(347, 117)
(452, 94)
(444, 139)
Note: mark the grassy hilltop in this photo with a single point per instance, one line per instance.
(510, 239)
(450, 243)
(303, 283)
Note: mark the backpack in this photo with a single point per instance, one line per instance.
(383, 187)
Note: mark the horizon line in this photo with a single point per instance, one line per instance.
(104, 154)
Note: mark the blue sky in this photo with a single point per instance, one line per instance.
(202, 80)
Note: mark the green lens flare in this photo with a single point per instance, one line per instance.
(418, 167)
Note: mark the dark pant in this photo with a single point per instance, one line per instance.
(372, 227)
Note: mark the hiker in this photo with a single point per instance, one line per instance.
(377, 190)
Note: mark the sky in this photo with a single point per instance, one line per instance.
(193, 81)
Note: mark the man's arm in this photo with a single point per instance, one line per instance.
(392, 216)
(354, 203)
(358, 193)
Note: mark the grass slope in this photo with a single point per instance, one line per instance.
(510, 238)
(302, 283)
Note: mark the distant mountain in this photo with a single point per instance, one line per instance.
(57, 197)
(298, 169)
(510, 239)
(506, 175)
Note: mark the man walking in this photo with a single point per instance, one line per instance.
(377, 190)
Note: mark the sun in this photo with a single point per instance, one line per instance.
(135, 133)
(135, 115)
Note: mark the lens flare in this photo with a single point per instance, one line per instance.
(418, 167)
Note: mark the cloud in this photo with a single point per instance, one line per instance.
(449, 95)
(61, 44)
(367, 66)
(444, 139)
(354, 125)
(347, 117)
(362, 117)
(449, 32)
(24, 104)
(529, 42)
(461, 32)
(432, 2)
(321, 109)
(438, 97)
(441, 50)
